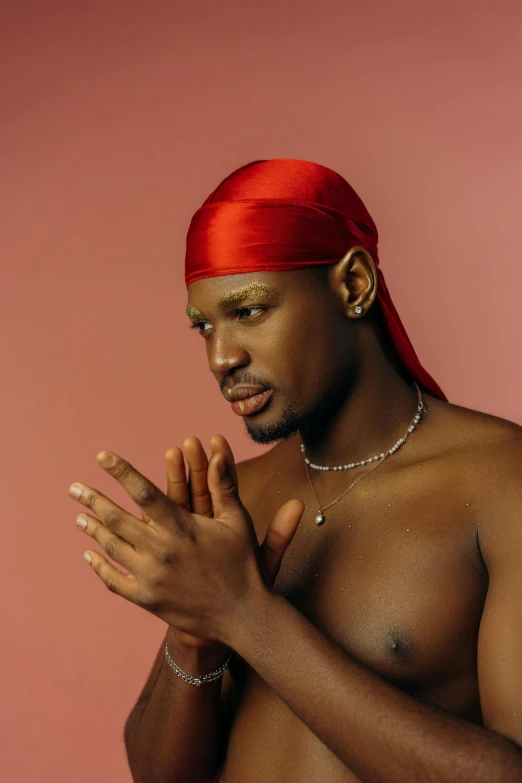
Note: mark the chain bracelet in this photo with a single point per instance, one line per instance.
(209, 677)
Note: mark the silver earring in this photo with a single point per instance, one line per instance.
(358, 309)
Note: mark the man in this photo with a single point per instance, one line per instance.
(374, 614)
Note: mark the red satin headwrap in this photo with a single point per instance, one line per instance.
(283, 214)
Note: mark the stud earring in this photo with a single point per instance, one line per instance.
(358, 309)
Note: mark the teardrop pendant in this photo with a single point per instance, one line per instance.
(319, 519)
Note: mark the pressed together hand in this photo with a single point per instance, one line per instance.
(193, 559)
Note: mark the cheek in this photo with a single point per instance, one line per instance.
(328, 361)
(303, 359)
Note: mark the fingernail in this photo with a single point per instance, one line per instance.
(81, 521)
(86, 556)
(75, 490)
(105, 459)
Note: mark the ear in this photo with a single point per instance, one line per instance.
(354, 279)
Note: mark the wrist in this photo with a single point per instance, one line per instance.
(196, 660)
(250, 616)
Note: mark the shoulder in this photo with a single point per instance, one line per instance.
(476, 457)
(488, 451)
(491, 443)
(482, 441)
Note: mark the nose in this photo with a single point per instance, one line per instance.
(225, 354)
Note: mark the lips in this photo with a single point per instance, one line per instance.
(247, 400)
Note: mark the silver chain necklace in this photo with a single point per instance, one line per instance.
(378, 459)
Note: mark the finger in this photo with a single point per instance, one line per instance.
(177, 486)
(223, 488)
(161, 511)
(117, 549)
(219, 444)
(125, 585)
(278, 537)
(200, 500)
(115, 518)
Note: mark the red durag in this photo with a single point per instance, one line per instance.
(283, 214)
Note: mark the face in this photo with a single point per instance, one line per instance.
(281, 342)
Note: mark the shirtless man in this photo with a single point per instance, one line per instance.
(376, 635)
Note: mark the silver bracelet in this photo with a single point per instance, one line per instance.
(197, 680)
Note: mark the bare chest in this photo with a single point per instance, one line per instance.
(393, 576)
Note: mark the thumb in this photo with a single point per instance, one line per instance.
(278, 537)
(222, 486)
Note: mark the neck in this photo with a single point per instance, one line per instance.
(373, 414)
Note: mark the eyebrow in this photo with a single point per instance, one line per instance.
(235, 298)
(193, 312)
(250, 291)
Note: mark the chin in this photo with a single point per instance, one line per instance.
(271, 432)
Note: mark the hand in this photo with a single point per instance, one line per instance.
(193, 495)
(200, 575)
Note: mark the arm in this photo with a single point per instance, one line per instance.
(381, 734)
(191, 570)
(378, 732)
(176, 732)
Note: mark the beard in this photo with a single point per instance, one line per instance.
(287, 426)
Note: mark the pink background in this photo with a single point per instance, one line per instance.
(118, 118)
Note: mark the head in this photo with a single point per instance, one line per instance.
(280, 259)
(297, 333)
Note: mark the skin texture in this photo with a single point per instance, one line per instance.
(388, 649)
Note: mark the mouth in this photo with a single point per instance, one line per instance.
(254, 404)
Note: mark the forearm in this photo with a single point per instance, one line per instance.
(175, 735)
(379, 733)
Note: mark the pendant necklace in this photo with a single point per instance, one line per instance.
(378, 459)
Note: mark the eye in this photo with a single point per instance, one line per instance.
(248, 312)
(199, 325)
(242, 312)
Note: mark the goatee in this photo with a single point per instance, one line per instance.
(268, 433)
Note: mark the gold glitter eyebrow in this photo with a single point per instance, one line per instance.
(234, 298)
(250, 291)
(194, 313)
